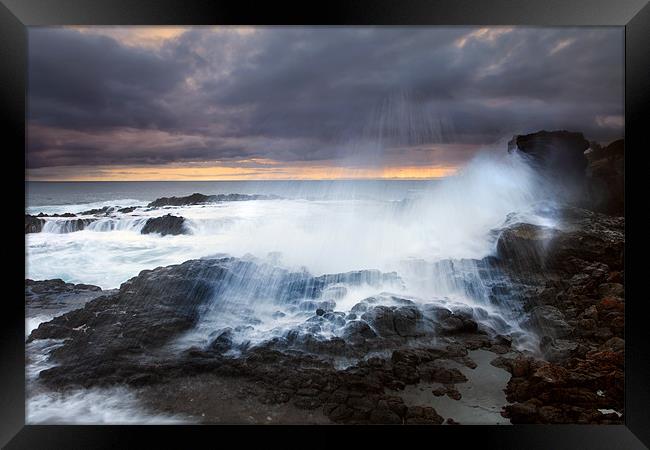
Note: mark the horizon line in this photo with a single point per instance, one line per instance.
(243, 179)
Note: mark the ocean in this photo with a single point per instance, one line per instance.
(44, 193)
(319, 226)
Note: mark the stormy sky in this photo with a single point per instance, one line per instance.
(291, 102)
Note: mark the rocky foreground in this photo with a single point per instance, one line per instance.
(576, 308)
(358, 366)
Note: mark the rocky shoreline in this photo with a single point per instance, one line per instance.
(164, 225)
(389, 359)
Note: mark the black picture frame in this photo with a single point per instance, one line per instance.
(17, 15)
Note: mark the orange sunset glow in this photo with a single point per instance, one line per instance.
(225, 173)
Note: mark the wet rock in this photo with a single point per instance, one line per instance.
(435, 312)
(56, 215)
(588, 237)
(406, 373)
(557, 350)
(358, 330)
(144, 314)
(408, 321)
(558, 154)
(165, 225)
(405, 321)
(104, 211)
(423, 415)
(197, 199)
(441, 372)
(382, 414)
(606, 178)
(454, 394)
(326, 305)
(614, 344)
(381, 319)
(33, 224)
(611, 290)
(522, 412)
(439, 392)
(524, 246)
(549, 320)
(359, 308)
(54, 297)
(519, 366)
(223, 342)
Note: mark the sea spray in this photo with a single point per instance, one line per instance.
(431, 237)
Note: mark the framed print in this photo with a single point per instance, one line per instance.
(357, 214)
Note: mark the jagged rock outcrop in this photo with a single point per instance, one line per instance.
(559, 159)
(570, 281)
(165, 225)
(560, 153)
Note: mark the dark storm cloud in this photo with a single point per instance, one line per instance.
(297, 94)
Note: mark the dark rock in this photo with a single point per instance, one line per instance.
(587, 236)
(381, 319)
(611, 290)
(165, 225)
(55, 297)
(33, 224)
(223, 342)
(439, 371)
(359, 308)
(71, 226)
(439, 392)
(358, 330)
(127, 210)
(197, 199)
(435, 312)
(147, 311)
(193, 199)
(614, 344)
(407, 373)
(524, 246)
(423, 415)
(454, 394)
(408, 322)
(549, 321)
(383, 415)
(106, 210)
(557, 154)
(557, 350)
(320, 312)
(56, 215)
(606, 178)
